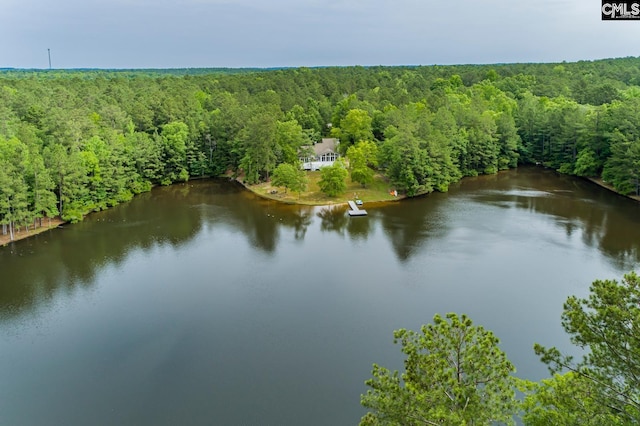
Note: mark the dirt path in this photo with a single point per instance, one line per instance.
(23, 233)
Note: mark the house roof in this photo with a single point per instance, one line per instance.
(325, 146)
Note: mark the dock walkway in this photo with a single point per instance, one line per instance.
(355, 211)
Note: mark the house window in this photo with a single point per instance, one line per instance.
(329, 156)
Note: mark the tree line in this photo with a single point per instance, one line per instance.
(76, 141)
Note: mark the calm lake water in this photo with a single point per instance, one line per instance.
(201, 304)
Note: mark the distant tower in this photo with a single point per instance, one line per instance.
(49, 52)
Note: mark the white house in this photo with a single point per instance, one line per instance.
(324, 154)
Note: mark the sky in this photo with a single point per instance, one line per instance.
(294, 33)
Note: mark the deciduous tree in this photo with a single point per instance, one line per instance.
(259, 143)
(333, 179)
(355, 126)
(289, 138)
(174, 152)
(361, 156)
(289, 176)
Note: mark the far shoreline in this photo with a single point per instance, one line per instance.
(264, 189)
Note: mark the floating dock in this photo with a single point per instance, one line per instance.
(355, 211)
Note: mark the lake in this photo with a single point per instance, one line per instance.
(203, 304)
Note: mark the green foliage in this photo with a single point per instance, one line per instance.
(95, 137)
(174, 152)
(14, 204)
(586, 163)
(68, 171)
(455, 373)
(333, 179)
(76, 141)
(568, 399)
(406, 164)
(361, 156)
(356, 126)
(260, 147)
(362, 175)
(290, 176)
(622, 169)
(289, 139)
(607, 325)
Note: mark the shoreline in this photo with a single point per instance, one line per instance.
(340, 201)
(263, 191)
(23, 233)
(377, 192)
(603, 184)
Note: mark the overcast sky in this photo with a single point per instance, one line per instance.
(254, 33)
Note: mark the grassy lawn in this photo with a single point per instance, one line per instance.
(378, 191)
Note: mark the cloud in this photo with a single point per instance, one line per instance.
(188, 33)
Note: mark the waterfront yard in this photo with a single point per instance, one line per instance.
(378, 191)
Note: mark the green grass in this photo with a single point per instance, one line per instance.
(378, 191)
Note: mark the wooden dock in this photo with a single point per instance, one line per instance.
(355, 211)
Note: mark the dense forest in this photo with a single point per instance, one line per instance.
(75, 141)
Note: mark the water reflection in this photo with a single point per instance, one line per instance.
(333, 219)
(35, 270)
(202, 303)
(605, 220)
(59, 260)
(336, 219)
(410, 223)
